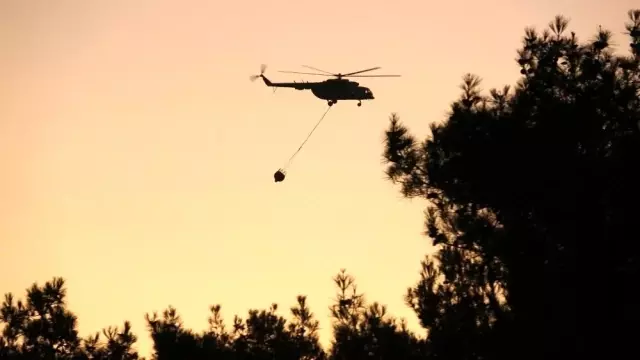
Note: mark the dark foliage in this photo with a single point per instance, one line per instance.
(534, 194)
(45, 329)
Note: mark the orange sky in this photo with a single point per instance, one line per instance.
(137, 158)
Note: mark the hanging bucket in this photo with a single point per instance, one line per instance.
(279, 175)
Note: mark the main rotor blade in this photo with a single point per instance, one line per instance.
(373, 75)
(326, 72)
(361, 71)
(304, 73)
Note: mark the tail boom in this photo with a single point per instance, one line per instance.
(293, 85)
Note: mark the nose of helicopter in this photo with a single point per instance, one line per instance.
(368, 94)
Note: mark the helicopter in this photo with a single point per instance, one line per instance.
(331, 90)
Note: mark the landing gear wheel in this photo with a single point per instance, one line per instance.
(330, 103)
(359, 103)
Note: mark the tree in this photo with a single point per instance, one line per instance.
(367, 332)
(119, 345)
(361, 331)
(533, 196)
(262, 335)
(43, 328)
(172, 341)
(304, 331)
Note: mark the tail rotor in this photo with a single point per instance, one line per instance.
(263, 67)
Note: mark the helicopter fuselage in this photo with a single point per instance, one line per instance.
(331, 90)
(341, 90)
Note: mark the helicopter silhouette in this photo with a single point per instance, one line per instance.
(331, 90)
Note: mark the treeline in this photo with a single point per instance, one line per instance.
(533, 197)
(42, 327)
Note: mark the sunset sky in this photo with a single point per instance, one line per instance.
(137, 157)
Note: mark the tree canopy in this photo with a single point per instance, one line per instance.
(41, 327)
(532, 192)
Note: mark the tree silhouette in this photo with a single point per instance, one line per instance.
(119, 345)
(533, 196)
(367, 332)
(304, 331)
(262, 335)
(43, 328)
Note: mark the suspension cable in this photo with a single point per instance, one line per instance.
(305, 140)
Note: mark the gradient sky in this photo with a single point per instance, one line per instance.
(137, 158)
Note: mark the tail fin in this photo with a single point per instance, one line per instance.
(266, 81)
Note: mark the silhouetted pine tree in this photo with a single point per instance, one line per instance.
(364, 331)
(534, 194)
(262, 335)
(42, 327)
